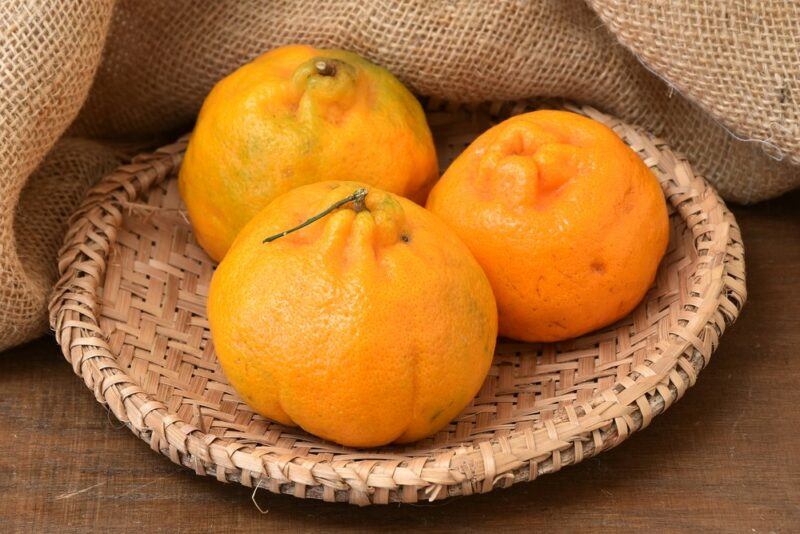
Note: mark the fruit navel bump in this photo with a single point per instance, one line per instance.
(566, 220)
(370, 324)
(294, 116)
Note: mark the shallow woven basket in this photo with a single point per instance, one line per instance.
(129, 313)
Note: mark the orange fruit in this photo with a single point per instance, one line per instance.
(294, 116)
(568, 223)
(371, 325)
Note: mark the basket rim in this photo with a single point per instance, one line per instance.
(574, 434)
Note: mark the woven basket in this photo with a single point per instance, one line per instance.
(129, 313)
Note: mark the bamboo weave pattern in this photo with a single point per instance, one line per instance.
(129, 313)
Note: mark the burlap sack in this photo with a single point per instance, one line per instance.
(161, 58)
(49, 52)
(740, 61)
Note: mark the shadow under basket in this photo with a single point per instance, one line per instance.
(129, 313)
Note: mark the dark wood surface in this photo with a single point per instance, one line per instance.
(725, 458)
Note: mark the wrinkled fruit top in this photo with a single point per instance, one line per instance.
(370, 325)
(566, 220)
(294, 116)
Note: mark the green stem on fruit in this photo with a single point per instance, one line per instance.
(357, 198)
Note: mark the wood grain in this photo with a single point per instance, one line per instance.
(725, 458)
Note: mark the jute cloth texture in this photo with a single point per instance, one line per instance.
(81, 80)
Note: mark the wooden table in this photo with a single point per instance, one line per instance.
(727, 457)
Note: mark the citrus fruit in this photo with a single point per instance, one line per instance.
(568, 223)
(372, 324)
(294, 116)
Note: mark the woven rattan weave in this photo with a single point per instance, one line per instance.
(129, 313)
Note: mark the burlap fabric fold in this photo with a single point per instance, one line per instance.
(740, 62)
(717, 79)
(49, 52)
